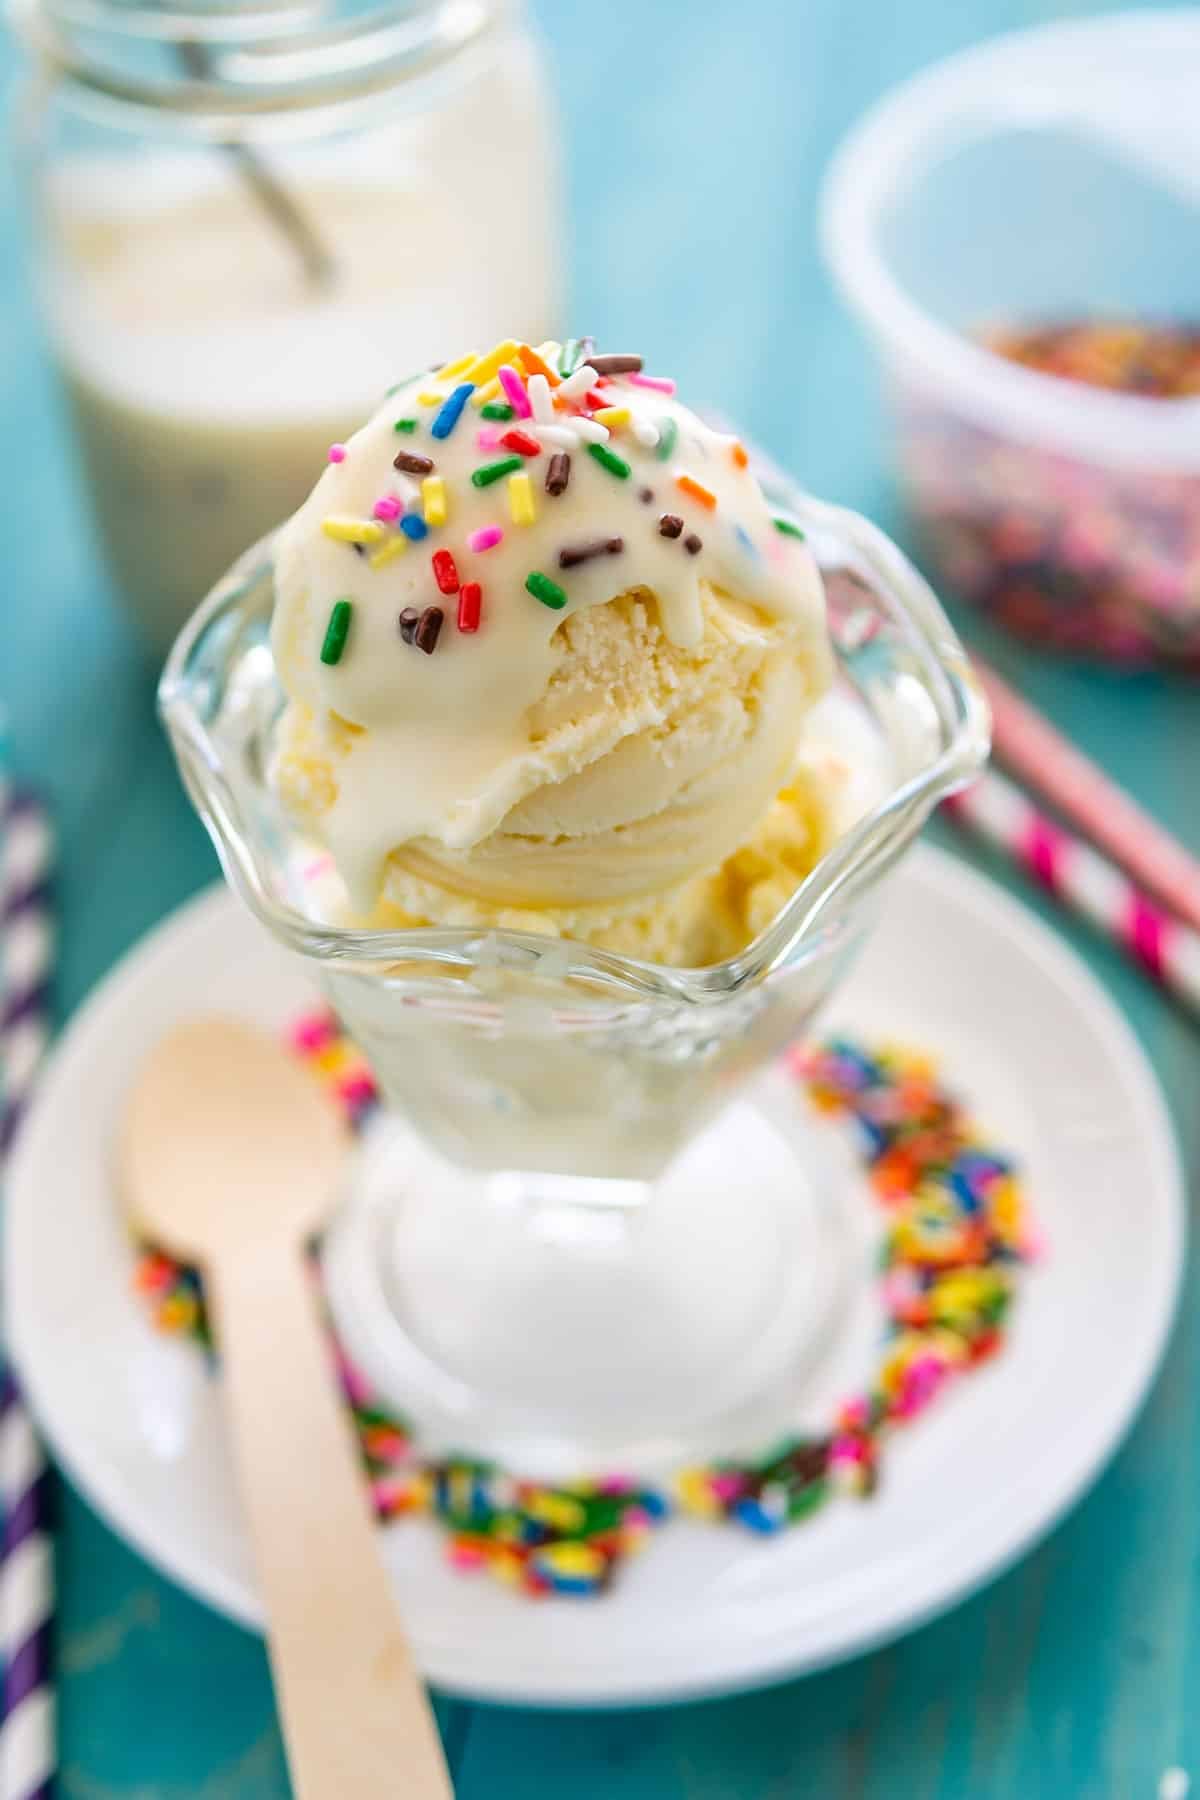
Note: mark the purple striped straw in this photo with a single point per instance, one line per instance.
(26, 951)
(27, 1755)
(27, 1735)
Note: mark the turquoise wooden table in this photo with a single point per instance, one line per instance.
(1074, 1676)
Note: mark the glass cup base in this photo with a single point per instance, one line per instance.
(628, 1327)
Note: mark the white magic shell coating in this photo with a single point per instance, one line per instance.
(581, 763)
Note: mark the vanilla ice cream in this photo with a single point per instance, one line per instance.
(549, 659)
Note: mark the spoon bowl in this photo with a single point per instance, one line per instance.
(227, 1142)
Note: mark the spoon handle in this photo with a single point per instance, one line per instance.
(354, 1712)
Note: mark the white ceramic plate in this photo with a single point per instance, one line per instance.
(956, 966)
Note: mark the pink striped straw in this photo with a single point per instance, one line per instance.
(1086, 882)
(1040, 756)
(514, 389)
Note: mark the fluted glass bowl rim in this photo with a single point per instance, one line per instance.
(949, 682)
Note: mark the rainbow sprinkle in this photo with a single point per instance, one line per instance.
(451, 411)
(445, 572)
(336, 632)
(485, 368)
(433, 496)
(514, 387)
(687, 484)
(470, 599)
(409, 463)
(558, 474)
(577, 385)
(521, 442)
(541, 400)
(608, 459)
(536, 365)
(545, 590)
(395, 546)
(458, 367)
(351, 531)
(957, 1235)
(489, 472)
(520, 499)
(486, 393)
(574, 352)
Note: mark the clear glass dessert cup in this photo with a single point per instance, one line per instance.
(592, 1225)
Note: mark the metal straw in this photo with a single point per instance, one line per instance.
(276, 202)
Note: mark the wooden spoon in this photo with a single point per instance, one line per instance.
(230, 1156)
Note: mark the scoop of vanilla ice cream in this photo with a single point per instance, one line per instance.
(621, 764)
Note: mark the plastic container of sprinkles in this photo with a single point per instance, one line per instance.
(1048, 178)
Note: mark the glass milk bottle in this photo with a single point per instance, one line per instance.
(247, 221)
